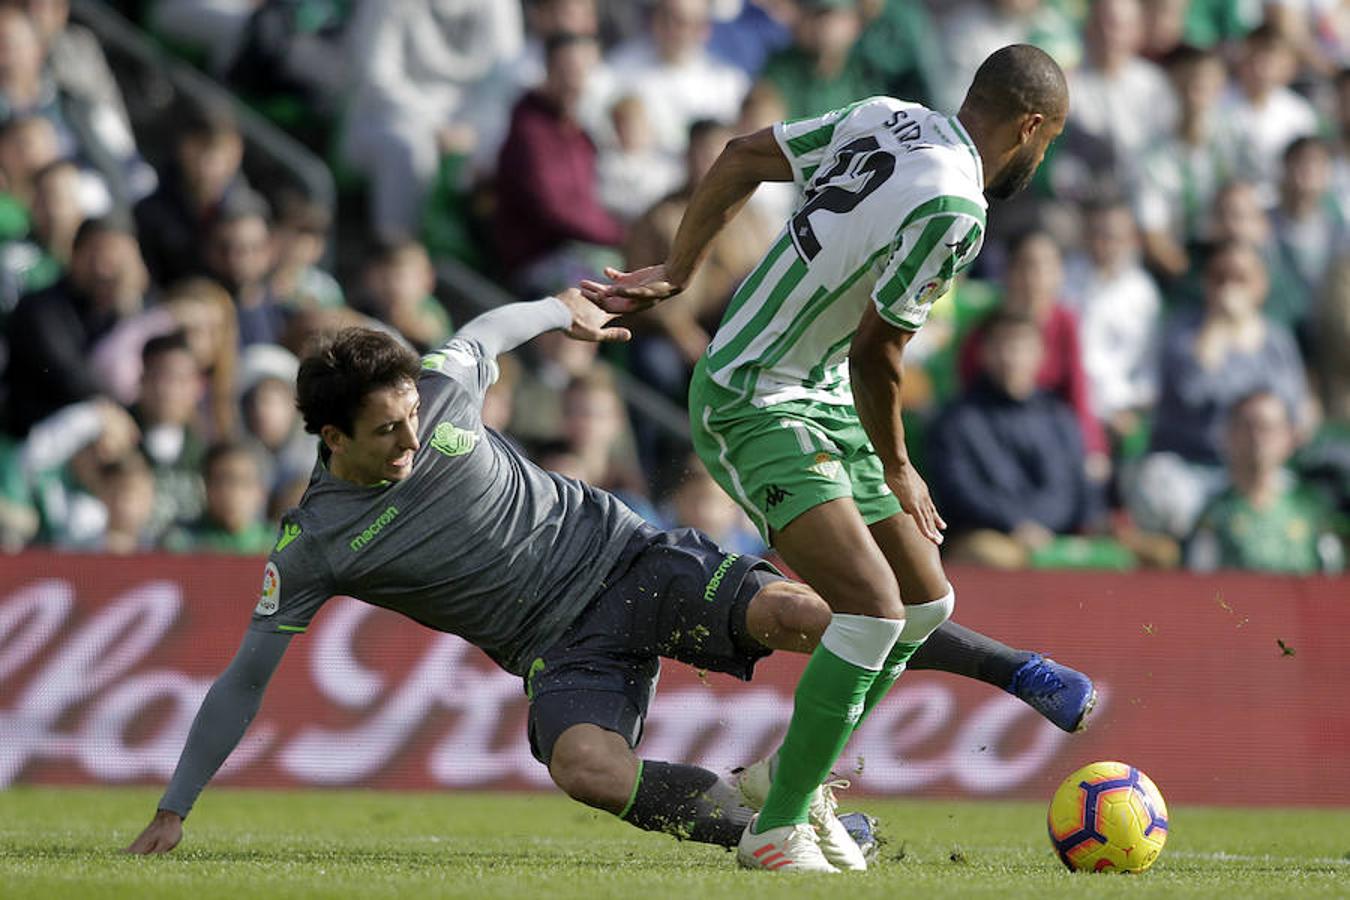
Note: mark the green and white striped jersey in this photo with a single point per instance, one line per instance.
(892, 208)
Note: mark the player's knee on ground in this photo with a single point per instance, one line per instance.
(594, 766)
(787, 615)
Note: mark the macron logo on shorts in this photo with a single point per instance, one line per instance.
(710, 592)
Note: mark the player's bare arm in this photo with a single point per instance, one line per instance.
(876, 367)
(747, 162)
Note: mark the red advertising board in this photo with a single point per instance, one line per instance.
(1227, 689)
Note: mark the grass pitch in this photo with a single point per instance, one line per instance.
(64, 843)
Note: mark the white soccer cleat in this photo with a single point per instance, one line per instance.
(836, 843)
(789, 848)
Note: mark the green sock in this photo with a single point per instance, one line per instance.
(828, 702)
(890, 672)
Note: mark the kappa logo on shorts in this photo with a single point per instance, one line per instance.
(774, 495)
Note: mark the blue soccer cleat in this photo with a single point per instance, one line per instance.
(863, 829)
(1064, 696)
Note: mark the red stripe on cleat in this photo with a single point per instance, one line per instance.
(778, 865)
(774, 858)
(765, 849)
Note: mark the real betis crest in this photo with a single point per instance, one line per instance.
(452, 440)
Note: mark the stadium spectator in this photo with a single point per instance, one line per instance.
(166, 413)
(1117, 94)
(632, 173)
(232, 520)
(1264, 520)
(240, 255)
(1261, 114)
(698, 502)
(1309, 232)
(61, 461)
(1237, 215)
(398, 288)
(75, 58)
(1033, 287)
(1164, 28)
(299, 244)
(18, 517)
(595, 429)
(38, 261)
(194, 307)
(550, 227)
(202, 176)
(1331, 337)
(28, 143)
(417, 63)
(52, 332)
(1006, 459)
(204, 312)
(126, 488)
(820, 70)
(678, 80)
(495, 96)
(272, 427)
(1341, 144)
(1209, 359)
(1118, 308)
(745, 33)
(971, 30)
(87, 129)
(1181, 174)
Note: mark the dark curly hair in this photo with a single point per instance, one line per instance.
(341, 369)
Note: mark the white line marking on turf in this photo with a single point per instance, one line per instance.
(1220, 856)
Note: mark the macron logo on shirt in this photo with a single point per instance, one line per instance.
(373, 529)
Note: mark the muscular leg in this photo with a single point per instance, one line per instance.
(596, 767)
(830, 547)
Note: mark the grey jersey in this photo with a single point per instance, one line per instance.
(476, 541)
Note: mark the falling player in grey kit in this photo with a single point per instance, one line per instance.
(415, 506)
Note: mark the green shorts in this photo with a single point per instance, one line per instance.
(779, 461)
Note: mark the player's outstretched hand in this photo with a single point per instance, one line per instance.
(915, 500)
(631, 291)
(160, 836)
(590, 322)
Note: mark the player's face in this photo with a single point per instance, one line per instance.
(1017, 174)
(383, 438)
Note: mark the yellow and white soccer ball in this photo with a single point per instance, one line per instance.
(1108, 817)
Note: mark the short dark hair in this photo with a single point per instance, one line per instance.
(100, 225)
(204, 119)
(1307, 142)
(342, 369)
(223, 450)
(1002, 318)
(161, 344)
(560, 40)
(1017, 80)
(1187, 55)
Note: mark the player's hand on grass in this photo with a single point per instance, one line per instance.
(590, 322)
(160, 836)
(917, 503)
(631, 291)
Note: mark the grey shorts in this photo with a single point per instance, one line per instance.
(672, 593)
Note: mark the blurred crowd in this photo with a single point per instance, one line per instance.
(1148, 366)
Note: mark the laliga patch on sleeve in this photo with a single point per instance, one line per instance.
(268, 599)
